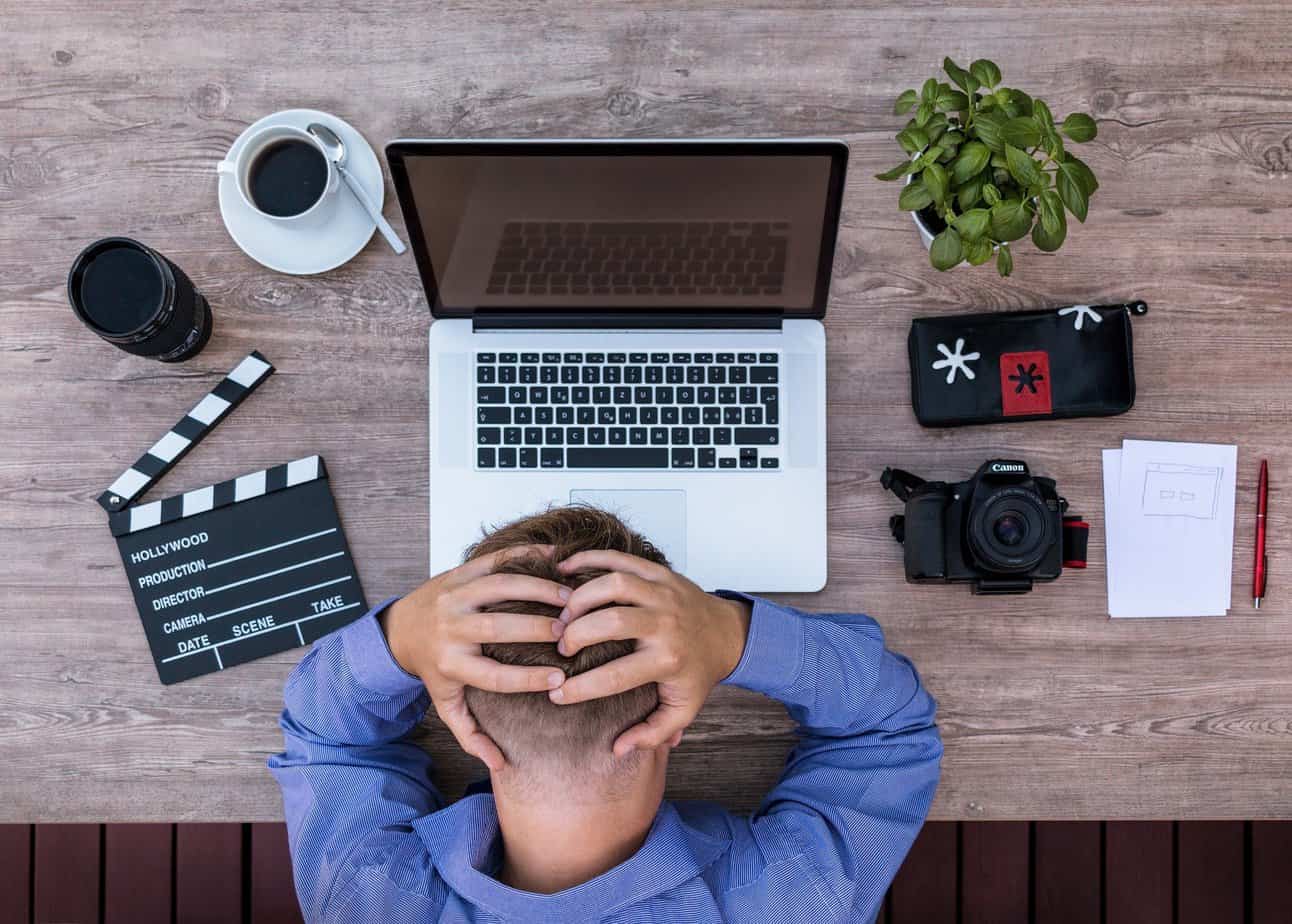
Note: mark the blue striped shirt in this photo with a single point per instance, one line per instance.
(373, 840)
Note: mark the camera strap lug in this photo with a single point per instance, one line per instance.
(902, 484)
(1076, 533)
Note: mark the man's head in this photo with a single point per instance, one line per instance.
(537, 736)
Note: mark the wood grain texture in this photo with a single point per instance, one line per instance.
(1139, 872)
(15, 874)
(1067, 872)
(1209, 872)
(1048, 709)
(995, 871)
(208, 872)
(67, 862)
(273, 896)
(137, 861)
(925, 890)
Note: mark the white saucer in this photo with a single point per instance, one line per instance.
(303, 251)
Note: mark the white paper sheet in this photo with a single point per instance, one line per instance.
(1169, 528)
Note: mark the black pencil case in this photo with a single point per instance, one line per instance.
(1075, 361)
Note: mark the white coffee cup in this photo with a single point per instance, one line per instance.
(240, 169)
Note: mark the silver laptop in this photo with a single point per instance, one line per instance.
(634, 325)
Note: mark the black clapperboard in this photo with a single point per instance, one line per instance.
(237, 570)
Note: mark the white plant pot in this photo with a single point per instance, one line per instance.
(925, 234)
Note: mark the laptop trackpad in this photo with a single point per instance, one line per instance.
(660, 516)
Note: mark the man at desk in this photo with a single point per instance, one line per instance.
(567, 656)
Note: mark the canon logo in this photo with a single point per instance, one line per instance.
(1008, 467)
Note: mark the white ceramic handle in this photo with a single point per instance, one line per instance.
(362, 195)
(225, 167)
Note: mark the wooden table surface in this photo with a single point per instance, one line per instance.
(112, 117)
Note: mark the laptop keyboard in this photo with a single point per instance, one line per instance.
(654, 410)
(640, 258)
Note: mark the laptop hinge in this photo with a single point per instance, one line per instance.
(562, 319)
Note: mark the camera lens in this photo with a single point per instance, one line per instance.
(1010, 529)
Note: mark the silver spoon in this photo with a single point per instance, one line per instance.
(336, 152)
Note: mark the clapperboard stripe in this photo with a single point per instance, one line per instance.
(196, 424)
(213, 497)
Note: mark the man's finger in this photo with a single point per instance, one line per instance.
(615, 587)
(501, 588)
(616, 622)
(632, 670)
(661, 726)
(506, 627)
(487, 674)
(457, 718)
(606, 560)
(488, 564)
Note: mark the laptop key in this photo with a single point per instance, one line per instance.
(529, 374)
(659, 436)
(762, 374)
(605, 415)
(543, 416)
(586, 415)
(668, 415)
(533, 436)
(565, 415)
(489, 436)
(770, 462)
(756, 436)
(701, 436)
(529, 357)
(578, 358)
(680, 436)
(722, 436)
(579, 394)
(728, 462)
(683, 458)
(726, 358)
(523, 415)
(596, 436)
(553, 458)
(648, 416)
(618, 436)
(485, 458)
(637, 436)
(591, 375)
(747, 357)
(618, 457)
(486, 358)
(485, 375)
(616, 358)
(549, 375)
(637, 358)
(492, 395)
(575, 436)
(767, 357)
(493, 415)
(517, 394)
(507, 357)
(709, 456)
(726, 395)
(749, 458)
(507, 457)
(553, 436)
(690, 415)
(529, 457)
(656, 357)
(627, 416)
(712, 415)
(570, 375)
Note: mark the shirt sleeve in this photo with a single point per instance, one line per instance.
(349, 780)
(859, 783)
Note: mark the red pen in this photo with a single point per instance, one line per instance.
(1258, 573)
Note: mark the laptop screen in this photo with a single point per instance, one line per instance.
(528, 226)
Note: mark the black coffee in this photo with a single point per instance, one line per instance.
(287, 178)
(121, 288)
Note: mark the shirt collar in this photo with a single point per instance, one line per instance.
(464, 842)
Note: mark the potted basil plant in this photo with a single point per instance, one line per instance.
(987, 165)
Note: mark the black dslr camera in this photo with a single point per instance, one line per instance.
(1000, 531)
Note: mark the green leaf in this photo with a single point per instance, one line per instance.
(915, 196)
(1014, 102)
(1080, 127)
(985, 71)
(970, 161)
(936, 126)
(1053, 144)
(935, 178)
(947, 250)
(929, 92)
(1083, 175)
(1022, 167)
(988, 127)
(956, 73)
(1051, 209)
(948, 153)
(953, 137)
(953, 99)
(1010, 220)
(912, 140)
(1072, 192)
(977, 252)
(968, 194)
(1004, 260)
(990, 194)
(973, 224)
(1047, 240)
(901, 170)
(1021, 132)
(1042, 113)
(905, 102)
(923, 114)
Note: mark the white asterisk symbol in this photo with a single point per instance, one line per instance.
(955, 361)
(1082, 312)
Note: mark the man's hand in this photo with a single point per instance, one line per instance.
(435, 633)
(687, 641)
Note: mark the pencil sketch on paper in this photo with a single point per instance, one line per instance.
(1175, 490)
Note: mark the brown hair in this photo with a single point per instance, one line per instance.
(531, 730)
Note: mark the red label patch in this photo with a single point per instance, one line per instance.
(1025, 383)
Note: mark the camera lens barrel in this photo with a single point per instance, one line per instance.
(1010, 530)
